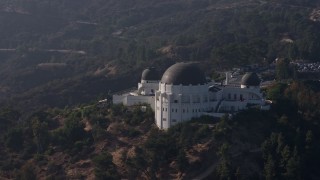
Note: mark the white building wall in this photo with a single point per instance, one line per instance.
(235, 98)
(148, 87)
(130, 100)
(174, 104)
(232, 106)
(134, 100)
(118, 99)
(181, 103)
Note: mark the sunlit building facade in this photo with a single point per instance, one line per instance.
(184, 93)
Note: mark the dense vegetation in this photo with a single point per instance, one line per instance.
(280, 144)
(115, 142)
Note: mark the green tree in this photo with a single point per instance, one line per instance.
(143, 162)
(104, 167)
(280, 143)
(224, 151)
(98, 133)
(224, 170)
(238, 173)
(276, 91)
(74, 129)
(270, 168)
(182, 160)
(283, 69)
(14, 139)
(40, 134)
(285, 156)
(309, 142)
(293, 168)
(27, 172)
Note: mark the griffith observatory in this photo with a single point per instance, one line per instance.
(183, 93)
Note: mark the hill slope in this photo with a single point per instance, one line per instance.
(67, 52)
(116, 142)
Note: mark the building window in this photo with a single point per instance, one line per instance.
(175, 101)
(235, 96)
(205, 98)
(196, 99)
(232, 108)
(241, 97)
(229, 96)
(172, 110)
(173, 120)
(176, 110)
(166, 109)
(162, 109)
(164, 119)
(185, 99)
(183, 110)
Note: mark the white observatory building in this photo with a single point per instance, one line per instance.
(184, 93)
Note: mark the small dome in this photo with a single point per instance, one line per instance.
(250, 79)
(150, 74)
(184, 73)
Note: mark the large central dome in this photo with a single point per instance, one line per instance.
(184, 73)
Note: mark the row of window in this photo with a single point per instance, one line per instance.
(235, 96)
(165, 119)
(183, 110)
(176, 101)
(187, 99)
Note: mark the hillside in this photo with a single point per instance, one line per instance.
(59, 57)
(118, 142)
(69, 52)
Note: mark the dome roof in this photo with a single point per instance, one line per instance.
(184, 73)
(250, 79)
(150, 74)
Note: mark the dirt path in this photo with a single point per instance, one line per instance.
(63, 51)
